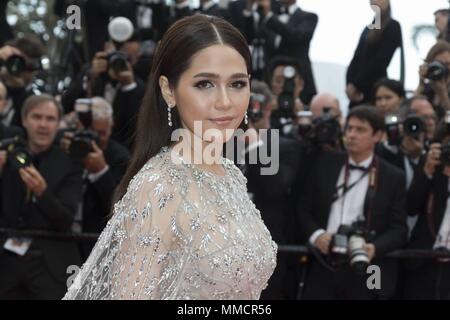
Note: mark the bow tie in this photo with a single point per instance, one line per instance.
(361, 168)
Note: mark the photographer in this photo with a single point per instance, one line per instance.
(428, 198)
(40, 188)
(286, 30)
(286, 82)
(406, 142)
(353, 213)
(111, 76)
(435, 77)
(104, 161)
(20, 63)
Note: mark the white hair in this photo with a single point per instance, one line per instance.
(101, 109)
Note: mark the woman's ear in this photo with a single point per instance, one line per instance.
(166, 91)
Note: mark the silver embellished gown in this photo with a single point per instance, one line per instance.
(180, 232)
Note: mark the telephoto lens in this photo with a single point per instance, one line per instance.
(359, 260)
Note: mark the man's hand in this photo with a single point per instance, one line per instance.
(3, 158)
(323, 242)
(125, 77)
(99, 64)
(8, 51)
(33, 180)
(354, 94)
(433, 159)
(95, 161)
(370, 249)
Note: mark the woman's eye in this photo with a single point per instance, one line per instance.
(239, 84)
(204, 84)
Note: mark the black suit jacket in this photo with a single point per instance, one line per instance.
(370, 62)
(388, 217)
(53, 210)
(271, 192)
(296, 38)
(98, 195)
(427, 227)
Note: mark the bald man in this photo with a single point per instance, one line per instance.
(323, 100)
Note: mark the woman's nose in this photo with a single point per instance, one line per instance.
(223, 100)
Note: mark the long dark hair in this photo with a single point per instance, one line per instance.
(173, 56)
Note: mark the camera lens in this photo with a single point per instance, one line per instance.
(15, 65)
(118, 62)
(359, 260)
(414, 126)
(436, 71)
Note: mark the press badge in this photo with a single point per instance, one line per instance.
(19, 246)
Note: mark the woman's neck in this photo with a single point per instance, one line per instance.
(194, 150)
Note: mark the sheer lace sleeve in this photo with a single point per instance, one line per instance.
(143, 254)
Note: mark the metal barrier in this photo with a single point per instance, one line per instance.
(294, 249)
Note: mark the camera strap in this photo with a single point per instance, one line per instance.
(373, 181)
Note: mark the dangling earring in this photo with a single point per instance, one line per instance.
(246, 118)
(169, 115)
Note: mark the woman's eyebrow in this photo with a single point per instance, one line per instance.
(216, 76)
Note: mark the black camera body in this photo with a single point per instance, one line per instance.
(16, 64)
(436, 71)
(413, 126)
(347, 246)
(286, 99)
(18, 154)
(255, 109)
(117, 61)
(320, 131)
(81, 143)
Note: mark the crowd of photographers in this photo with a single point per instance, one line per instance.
(352, 189)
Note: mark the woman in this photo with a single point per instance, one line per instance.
(184, 230)
(375, 50)
(388, 96)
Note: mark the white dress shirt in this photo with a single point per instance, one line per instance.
(347, 208)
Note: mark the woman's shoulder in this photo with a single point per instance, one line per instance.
(234, 171)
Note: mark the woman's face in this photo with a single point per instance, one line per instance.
(213, 92)
(387, 101)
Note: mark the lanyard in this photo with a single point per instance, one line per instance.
(368, 200)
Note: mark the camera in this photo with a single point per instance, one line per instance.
(81, 142)
(18, 154)
(436, 71)
(286, 99)
(16, 64)
(413, 126)
(326, 129)
(347, 246)
(117, 61)
(255, 109)
(320, 131)
(392, 125)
